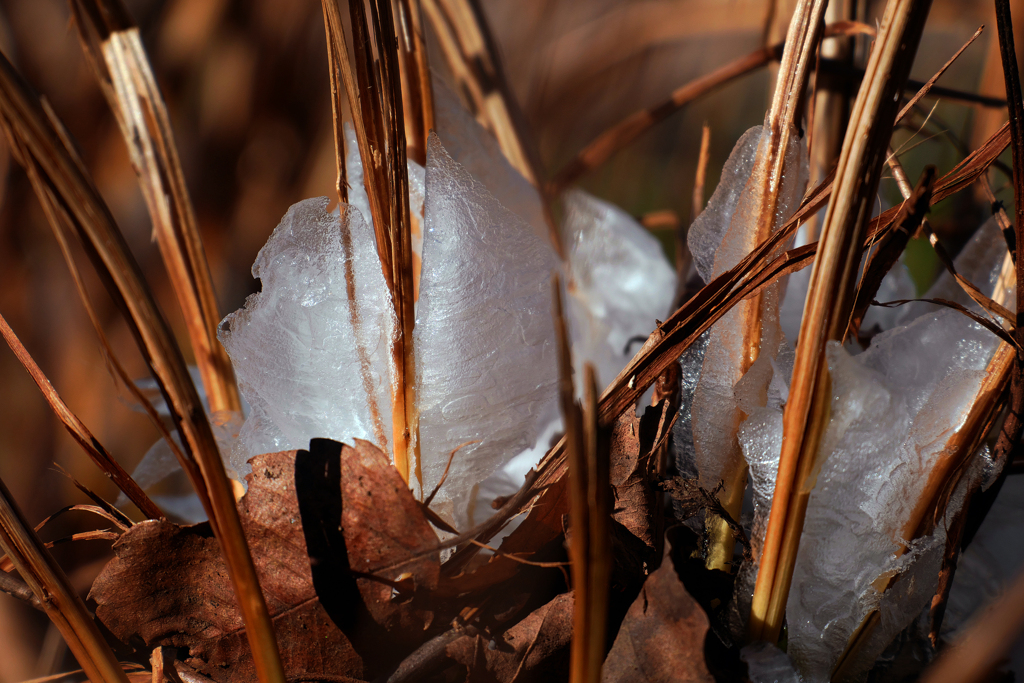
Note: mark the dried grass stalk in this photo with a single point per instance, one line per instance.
(629, 129)
(58, 177)
(469, 50)
(77, 429)
(417, 94)
(114, 49)
(589, 510)
(59, 599)
(770, 169)
(372, 82)
(829, 302)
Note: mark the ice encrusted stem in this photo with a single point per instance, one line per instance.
(830, 297)
(774, 160)
(949, 467)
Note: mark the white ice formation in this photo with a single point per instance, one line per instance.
(621, 283)
(311, 348)
(730, 386)
(894, 408)
(308, 358)
(484, 337)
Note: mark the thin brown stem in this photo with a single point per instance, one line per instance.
(41, 148)
(79, 432)
(115, 51)
(830, 299)
(53, 589)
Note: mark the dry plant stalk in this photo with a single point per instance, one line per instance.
(830, 103)
(769, 170)
(589, 510)
(976, 653)
(114, 47)
(829, 303)
(417, 93)
(340, 68)
(59, 178)
(1010, 435)
(58, 597)
(77, 429)
(337, 56)
(468, 50)
(601, 148)
(684, 259)
(374, 93)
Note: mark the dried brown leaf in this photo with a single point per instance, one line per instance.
(535, 649)
(168, 586)
(313, 519)
(662, 636)
(636, 505)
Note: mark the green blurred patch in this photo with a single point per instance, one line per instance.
(922, 263)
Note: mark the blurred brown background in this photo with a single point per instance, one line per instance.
(247, 88)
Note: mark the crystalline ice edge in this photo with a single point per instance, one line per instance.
(477, 151)
(357, 191)
(310, 349)
(705, 236)
(894, 407)
(720, 238)
(621, 283)
(484, 337)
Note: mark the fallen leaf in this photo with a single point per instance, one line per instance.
(308, 517)
(633, 442)
(662, 637)
(168, 585)
(361, 523)
(535, 649)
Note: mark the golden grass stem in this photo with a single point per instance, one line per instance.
(766, 181)
(684, 259)
(469, 50)
(59, 599)
(976, 653)
(416, 88)
(481, 73)
(79, 432)
(114, 48)
(337, 53)
(830, 104)
(626, 131)
(829, 301)
(1013, 425)
(589, 509)
(599, 509)
(372, 82)
(579, 514)
(40, 147)
(341, 76)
